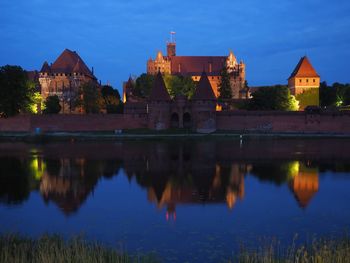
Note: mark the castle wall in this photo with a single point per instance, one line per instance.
(301, 122)
(240, 121)
(72, 122)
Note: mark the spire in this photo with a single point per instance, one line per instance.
(45, 68)
(204, 91)
(159, 91)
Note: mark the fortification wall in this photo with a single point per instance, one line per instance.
(259, 121)
(239, 121)
(72, 123)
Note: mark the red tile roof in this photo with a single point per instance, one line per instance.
(195, 65)
(304, 69)
(159, 91)
(70, 62)
(204, 91)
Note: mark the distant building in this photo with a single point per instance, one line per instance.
(304, 83)
(63, 78)
(193, 66)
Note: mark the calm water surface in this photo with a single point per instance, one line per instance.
(186, 200)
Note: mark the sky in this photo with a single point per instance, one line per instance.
(118, 37)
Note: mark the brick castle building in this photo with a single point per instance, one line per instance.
(63, 78)
(303, 78)
(163, 112)
(193, 66)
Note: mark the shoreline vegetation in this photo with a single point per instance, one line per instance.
(53, 248)
(144, 134)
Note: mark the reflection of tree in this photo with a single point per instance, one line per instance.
(276, 172)
(15, 180)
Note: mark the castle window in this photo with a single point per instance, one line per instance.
(314, 80)
(212, 77)
(307, 80)
(300, 80)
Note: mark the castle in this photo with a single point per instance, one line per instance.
(193, 66)
(163, 112)
(64, 77)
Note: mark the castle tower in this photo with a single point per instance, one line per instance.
(204, 106)
(158, 106)
(305, 80)
(171, 46)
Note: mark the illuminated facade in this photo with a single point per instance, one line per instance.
(63, 78)
(193, 66)
(304, 78)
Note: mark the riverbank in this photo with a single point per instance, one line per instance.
(53, 249)
(153, 135)
(46, 249)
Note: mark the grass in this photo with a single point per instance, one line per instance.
(53, 249)
(14, 248)
(319, 251)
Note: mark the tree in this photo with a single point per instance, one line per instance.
(175, 84)
(273, 98)
(52, 105)
(16, 93)
(89, 97)
(143, 86)
(225, 89)
(179, 85)
(111, 99)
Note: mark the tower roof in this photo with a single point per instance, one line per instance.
(159, 91)
(45, 68)
(69, 61)
(304, 69)
(204, 91)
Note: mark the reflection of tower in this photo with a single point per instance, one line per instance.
(305, 185)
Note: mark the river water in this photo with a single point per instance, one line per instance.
(185, 200)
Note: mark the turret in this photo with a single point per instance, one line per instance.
(204, 106)
(158, 106)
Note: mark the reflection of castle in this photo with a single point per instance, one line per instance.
(221, 188)
(305, 185)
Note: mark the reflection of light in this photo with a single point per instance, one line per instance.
(293, 169)
(230, 198)
(37, 167)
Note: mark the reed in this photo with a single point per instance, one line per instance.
(54, 249)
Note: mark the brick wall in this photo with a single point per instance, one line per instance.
(283, 121)
(231, 121)
(72, 123)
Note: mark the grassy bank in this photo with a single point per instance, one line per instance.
(53, 249)
(319, 251)
(14, 248)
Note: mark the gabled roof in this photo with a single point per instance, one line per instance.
(204, 90)
(194, 65)
(304, 69)
(69, 61)
(45, 68)
(159, 91)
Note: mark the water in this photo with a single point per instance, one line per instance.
(195, 201)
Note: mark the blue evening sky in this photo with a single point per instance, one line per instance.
(117, 37)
